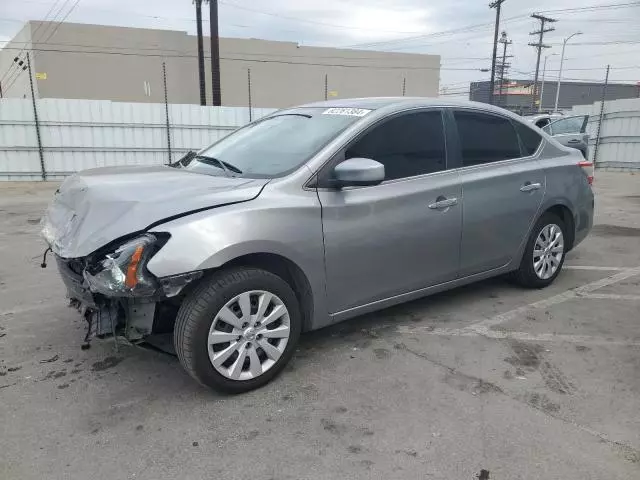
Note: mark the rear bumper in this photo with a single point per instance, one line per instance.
(584, 220)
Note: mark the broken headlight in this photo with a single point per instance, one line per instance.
(123, 273)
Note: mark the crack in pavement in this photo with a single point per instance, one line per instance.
(630, 453)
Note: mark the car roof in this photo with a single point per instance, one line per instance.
(374, 103)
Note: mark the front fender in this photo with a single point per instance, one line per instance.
(286, 225)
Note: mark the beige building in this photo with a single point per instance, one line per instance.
(125, 64)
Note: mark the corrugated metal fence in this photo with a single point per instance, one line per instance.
(619, 142)
(80, 134)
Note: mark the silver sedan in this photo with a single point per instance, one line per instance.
(311, 216)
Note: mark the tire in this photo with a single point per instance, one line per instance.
(527, 274)
(204, 312)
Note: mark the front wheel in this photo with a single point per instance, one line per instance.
(544, 253)
(238, 329)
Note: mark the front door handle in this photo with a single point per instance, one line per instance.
(442, 202)
(528, 187)
(574, 141)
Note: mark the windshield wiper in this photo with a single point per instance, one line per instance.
(224, 165)
(305, 115)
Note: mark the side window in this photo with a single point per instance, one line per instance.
(567, 125)
(407, 145)
(485, 138)
(529, 138)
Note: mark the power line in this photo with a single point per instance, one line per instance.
(468, 28)
(165, 49)
(610, 6)
(54, 20)
(612, 42)
(161, 55)
(303, 20)
(625, 52)
(55, 29)
(4, 75)
(452, 31)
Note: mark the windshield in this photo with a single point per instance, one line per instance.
(276, 145)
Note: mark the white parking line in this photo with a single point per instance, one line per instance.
(523, 336)
(611, 296)
(594, 268)
(559, 337)
(483, 326)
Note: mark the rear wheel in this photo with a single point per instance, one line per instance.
(238, 330)
(544, 254)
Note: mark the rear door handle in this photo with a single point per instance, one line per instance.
(444, 203)
(528, 187)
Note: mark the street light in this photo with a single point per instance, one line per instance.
(555, 108)
(544, 69)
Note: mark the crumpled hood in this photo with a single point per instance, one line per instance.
(97, 206)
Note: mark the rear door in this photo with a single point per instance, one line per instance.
(502, 188)
(571, 132)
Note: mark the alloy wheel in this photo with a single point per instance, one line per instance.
(248, 335)
(548, 251)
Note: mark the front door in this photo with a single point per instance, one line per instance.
(401, 235)
(502, 186)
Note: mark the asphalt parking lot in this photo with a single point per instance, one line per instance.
(521, 384)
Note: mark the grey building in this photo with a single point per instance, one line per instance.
(81, 61)
(517, 94)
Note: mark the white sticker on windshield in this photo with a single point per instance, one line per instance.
(352, 112)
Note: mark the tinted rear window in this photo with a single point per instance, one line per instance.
(528, 137)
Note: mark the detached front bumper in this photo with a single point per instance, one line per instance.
(132, 318)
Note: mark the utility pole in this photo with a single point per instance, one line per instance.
(504, 66)
(497, 4)
(203, 93)
(539, 46)
(215, 53)
(544, 69)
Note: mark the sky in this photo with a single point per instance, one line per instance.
(460, 31)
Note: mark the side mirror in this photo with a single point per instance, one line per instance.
(358, 172)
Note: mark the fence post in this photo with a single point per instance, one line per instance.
(43, 170)
(604, 92)
(326, 86)
(249, 92)
(166, 110)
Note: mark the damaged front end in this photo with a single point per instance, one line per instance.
(116, 293)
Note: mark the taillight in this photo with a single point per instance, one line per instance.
(588, 169)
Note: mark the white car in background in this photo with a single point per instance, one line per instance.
(569, 131)
(541, 120)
